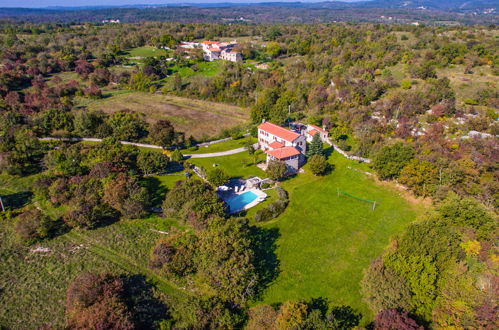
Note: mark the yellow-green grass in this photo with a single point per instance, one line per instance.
(146, 51)
(222, 146)
(326, 241)
(201, 119)
(207, 69)
(411, 38)
(237, 166)
(467, 85)
(33, 284)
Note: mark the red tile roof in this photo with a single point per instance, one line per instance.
(279, 131)
(318, 128)
(209, 42)
(213, 49)
(282, 153)
(276, 145)
(312, 132)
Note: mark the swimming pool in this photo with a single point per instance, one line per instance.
(238, 202)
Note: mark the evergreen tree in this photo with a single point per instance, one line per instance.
(315, 147)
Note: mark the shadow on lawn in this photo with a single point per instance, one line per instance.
(147, 310)
(17, 200)
(263, 243)
(156, 190)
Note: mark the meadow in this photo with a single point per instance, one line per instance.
(201, 119)
(324, 242)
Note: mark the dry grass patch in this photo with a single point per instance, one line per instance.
(202, 119)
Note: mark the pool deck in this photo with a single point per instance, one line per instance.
(260, 198)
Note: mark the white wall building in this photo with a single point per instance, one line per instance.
(282, 144)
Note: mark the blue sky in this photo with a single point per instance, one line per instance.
(72, 3)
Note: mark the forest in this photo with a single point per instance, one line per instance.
(421, 102)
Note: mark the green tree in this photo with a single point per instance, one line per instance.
(420, 176)
(273, 49)
(382, 288)
(23, 157)
(162, 133)
(150, 162)
(318, 164)
(225, 259)
(194, 202)
(276, 169)
(175, 255)
(32, 225)
(140, 82)
(125, 195)
(127, 126)
(292, 315)
(316, 147)
(67, 160)
(177, 156)
(391, 159)
(468, 212)
(177, 83)
(217, 177)
(86, 124)
(421, 276)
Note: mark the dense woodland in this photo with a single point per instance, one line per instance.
(418, 131)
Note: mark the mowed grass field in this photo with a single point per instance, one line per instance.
(201, 119)
(325, 241)
(146, 51)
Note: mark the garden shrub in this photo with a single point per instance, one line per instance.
(273, 210)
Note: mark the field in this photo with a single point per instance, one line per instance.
(237, 166)
(201, 119)
(325, 241)
(223, 146)
(206, 69)
(467, 85)
(146, 51)
(33, 280)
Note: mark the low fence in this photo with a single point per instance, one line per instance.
(78, 139)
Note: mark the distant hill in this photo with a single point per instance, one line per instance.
(398, 11)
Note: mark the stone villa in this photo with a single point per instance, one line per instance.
(282, 144)
(215, 50)
(287, 145)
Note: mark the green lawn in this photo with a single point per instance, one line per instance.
(222, 146)
(237, 166)
(146, 51)
(327, 241)
(206, 69)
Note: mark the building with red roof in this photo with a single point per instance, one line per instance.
(312, 130)
(282, 144)
(216, 50)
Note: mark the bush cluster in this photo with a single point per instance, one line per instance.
(274, 209)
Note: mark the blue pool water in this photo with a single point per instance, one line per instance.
(238, 202)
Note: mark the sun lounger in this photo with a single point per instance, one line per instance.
(236, 188)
